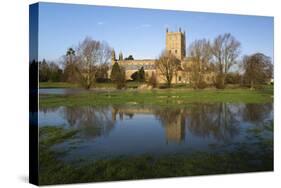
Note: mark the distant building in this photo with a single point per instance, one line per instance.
(175, 44)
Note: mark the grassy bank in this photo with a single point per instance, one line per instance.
(57, 85)
(54, 171)
(72, 85)
(164, 97)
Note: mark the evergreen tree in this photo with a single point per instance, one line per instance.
(118, 76)
(70, 67)
(120, 56)
(141, 75)
(121, 78)
(44, 71)
(130, 57)
(115, 71)
(113, 57)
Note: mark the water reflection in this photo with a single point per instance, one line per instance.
(173, 121)
(257, 113)
(126, 129)
(214, 120)
(220, 121)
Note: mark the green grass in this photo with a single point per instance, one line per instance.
(53, 135)
(54, 171)
(129, 84)
(72, 85)
(161, 97)
(57, 85)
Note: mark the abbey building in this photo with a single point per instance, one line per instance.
(176, 45)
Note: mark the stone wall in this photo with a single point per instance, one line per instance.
(131, 66)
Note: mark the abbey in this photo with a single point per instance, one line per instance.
(176, 45)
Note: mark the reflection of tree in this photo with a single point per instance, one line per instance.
(125, 110)
(217, 120)
(257, 113)
(72, 115)
(173, 122)
(92, 121)
(49, 109)
(130, 115)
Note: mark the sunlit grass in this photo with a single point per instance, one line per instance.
(161, 97)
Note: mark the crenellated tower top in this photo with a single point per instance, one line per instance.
(175, 43)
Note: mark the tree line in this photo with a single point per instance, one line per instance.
(85, 65)
(89, 62)
(217, 57)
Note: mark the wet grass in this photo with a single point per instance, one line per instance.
(52, 135)
(73, 85)
(164, 97)
(54, 171)
(57, 85)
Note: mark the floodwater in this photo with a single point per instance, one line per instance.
(123, 130)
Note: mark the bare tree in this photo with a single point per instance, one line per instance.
(91, 55)
(225, 49)
(200, 55)
(105, 52)
(168, 65)
(258, 69)
(104, 61)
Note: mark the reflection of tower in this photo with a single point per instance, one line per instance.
(175, 130)
(175, 43)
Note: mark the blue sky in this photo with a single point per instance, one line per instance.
(141, 32)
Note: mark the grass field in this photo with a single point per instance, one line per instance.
(159, 97)
(72, 85)
(57, 85)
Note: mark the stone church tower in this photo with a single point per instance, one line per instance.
(175, 43)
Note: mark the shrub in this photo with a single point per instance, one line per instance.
(139, 75)
(202, 84)
(153, 80)
(121, 79)
(219, 82)
(114, 71)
